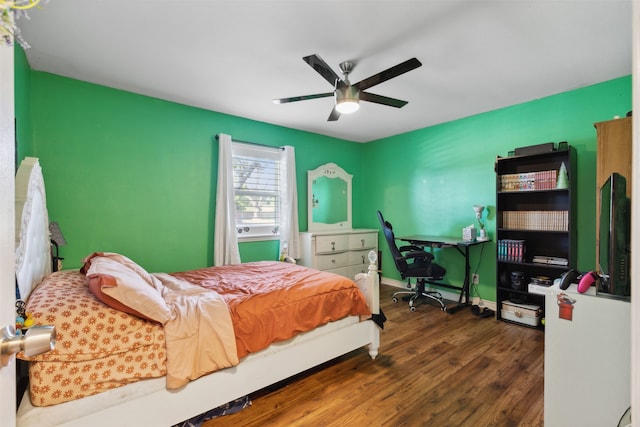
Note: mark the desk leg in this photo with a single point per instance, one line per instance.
(465, 292)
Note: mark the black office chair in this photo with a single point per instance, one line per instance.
(413, 262)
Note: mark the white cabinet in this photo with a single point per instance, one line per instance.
(342, 252)
(587, 359)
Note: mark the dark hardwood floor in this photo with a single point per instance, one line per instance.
(434, 369)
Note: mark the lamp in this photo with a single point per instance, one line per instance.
(347, 99)
(483, 233)
(57, 240)
(56, 234)
(478, 209)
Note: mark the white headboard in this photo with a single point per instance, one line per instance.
(33, 244)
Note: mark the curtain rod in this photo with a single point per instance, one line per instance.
(249, 142)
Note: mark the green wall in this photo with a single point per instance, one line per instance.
(136, 175)
(22, 82)
(426, 181)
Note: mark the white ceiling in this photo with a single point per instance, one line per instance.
(236, 56)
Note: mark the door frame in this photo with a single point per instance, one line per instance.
(7, 226)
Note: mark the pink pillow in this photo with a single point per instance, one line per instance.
(124, 285)
(97, 281)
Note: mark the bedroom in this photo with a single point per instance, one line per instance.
(101, 158)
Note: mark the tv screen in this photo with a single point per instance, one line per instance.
(614, 237)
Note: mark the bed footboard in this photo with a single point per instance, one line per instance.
(369, 285)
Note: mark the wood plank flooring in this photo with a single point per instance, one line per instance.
(434, 369)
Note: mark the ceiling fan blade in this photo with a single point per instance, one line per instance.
(384, 100)
(302, 98)
(389, 73)
(335, 115)
(324, 70)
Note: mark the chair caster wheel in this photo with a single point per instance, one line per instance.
(394, 299)
(412, 308)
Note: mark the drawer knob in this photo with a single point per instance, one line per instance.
(333, 246)
(333, 261)
(363, 260)
(362, 242)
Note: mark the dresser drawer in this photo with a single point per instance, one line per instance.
(329, 244)
(359, 257)
(363, 241)
(331, 261)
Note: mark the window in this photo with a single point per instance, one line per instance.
(257, 175)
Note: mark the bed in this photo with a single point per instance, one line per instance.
(150, 400)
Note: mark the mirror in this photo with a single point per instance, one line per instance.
(329, 198)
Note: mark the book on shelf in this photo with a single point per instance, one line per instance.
(536, 220)
(552, 260)
(511, 250)
(527, 181)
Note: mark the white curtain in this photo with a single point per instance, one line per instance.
(289, 230)
(225, 239)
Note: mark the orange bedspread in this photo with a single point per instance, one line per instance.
(100, 348)
(273, 301)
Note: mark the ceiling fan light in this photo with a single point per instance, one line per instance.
(347, 100)
(348, 106)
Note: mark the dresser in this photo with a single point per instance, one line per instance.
(343, 252)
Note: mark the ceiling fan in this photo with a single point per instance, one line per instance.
(347, 95)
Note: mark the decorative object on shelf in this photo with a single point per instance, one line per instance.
(563, 178)
(518, 281)
(10, 10)
(536, 149)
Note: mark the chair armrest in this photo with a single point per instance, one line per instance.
(411, 248)
(418, 255)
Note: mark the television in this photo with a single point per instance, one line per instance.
(614, 242)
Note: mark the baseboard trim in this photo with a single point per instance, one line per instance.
(448, 295)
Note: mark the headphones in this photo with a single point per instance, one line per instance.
(585, 281)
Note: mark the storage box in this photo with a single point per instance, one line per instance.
(469, 234)
(535, 288)
(526, 314)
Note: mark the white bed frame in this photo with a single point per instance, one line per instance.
(148, 402)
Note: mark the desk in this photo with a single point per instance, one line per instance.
(463, 248)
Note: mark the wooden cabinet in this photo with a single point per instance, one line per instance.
(535, 231)
(613, 155)
(342, 252)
